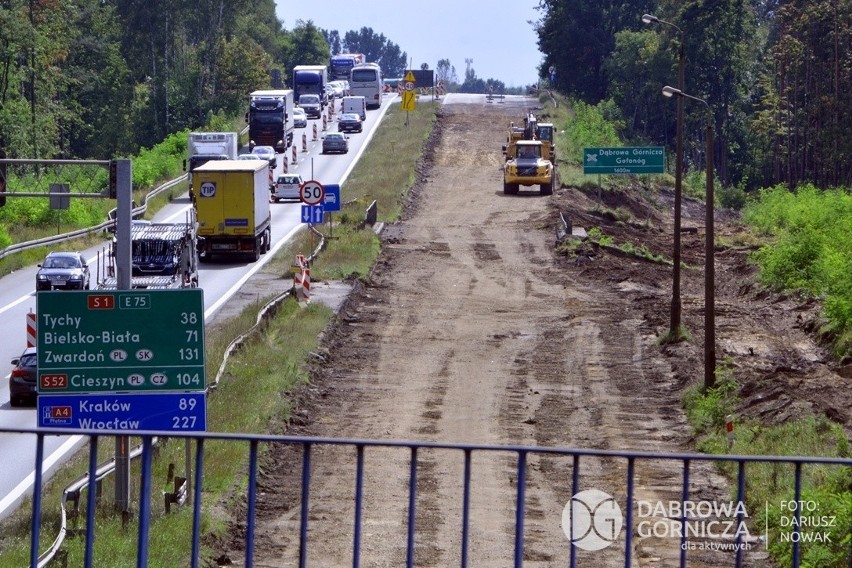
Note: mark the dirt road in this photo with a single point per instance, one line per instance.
(472, 329)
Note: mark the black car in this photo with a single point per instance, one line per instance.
(22, 380)
(350, 122)
(63, 271)
(335, 142)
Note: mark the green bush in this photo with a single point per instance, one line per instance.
(732, 197)
(36, 212)
(707, 409)
(165, 160)
(827, 488)
(591, 126)
(811, 249)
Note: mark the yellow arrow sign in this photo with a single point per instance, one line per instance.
(409, 100)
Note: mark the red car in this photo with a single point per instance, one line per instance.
(22, 380)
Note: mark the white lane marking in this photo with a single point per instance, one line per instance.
(27, 483)
(11, 305)
(257, 266)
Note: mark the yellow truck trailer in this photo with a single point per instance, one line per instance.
(232, 208)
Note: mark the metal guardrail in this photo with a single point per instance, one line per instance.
(72, 493)
(413, 463)
(140, 210)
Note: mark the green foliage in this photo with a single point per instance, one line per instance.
(833, 500)
(160, 162)
(597, 236)
(769, 484)
(827, 489)
(811, 252)
(592, 125)
(26, 216)
(23, 213)
(706, 409)
(732, 197)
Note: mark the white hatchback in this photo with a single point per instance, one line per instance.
(287, 187)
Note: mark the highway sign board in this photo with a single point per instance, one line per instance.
(332, 198)
(624, 160)
(422, 78)
(311, 192)
(120, 340)
(314, 214)
(166, 411)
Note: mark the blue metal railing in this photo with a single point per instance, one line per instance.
(414, 464)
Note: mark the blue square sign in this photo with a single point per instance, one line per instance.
(313, 214)
(332, 198)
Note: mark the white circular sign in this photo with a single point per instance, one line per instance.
(409, 86)
(208, 189)
(311, 192)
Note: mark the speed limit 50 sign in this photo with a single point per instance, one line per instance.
(312, 193)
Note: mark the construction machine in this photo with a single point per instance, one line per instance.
(529, 166)
(531, 130)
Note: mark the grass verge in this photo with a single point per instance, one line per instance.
(826, 493)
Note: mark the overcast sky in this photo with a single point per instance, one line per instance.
(495, 35)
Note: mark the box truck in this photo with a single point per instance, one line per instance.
(232, 208)
(310, 80)
(205, 146)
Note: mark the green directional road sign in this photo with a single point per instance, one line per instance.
(624, 160)
(120, 340)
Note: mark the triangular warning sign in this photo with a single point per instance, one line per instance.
(409, 77)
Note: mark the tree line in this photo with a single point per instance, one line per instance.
(97, 79)
(104, 78)
(776, 76)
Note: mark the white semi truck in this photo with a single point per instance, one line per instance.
(205, 146)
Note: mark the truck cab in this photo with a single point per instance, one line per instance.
(544, 132)
(528, 166)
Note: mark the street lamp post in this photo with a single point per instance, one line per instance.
(675, 332)
(709, 250)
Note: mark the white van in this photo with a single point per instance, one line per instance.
(355, 105)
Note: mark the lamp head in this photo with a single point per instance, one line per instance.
(649, 19)
(671, 91)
